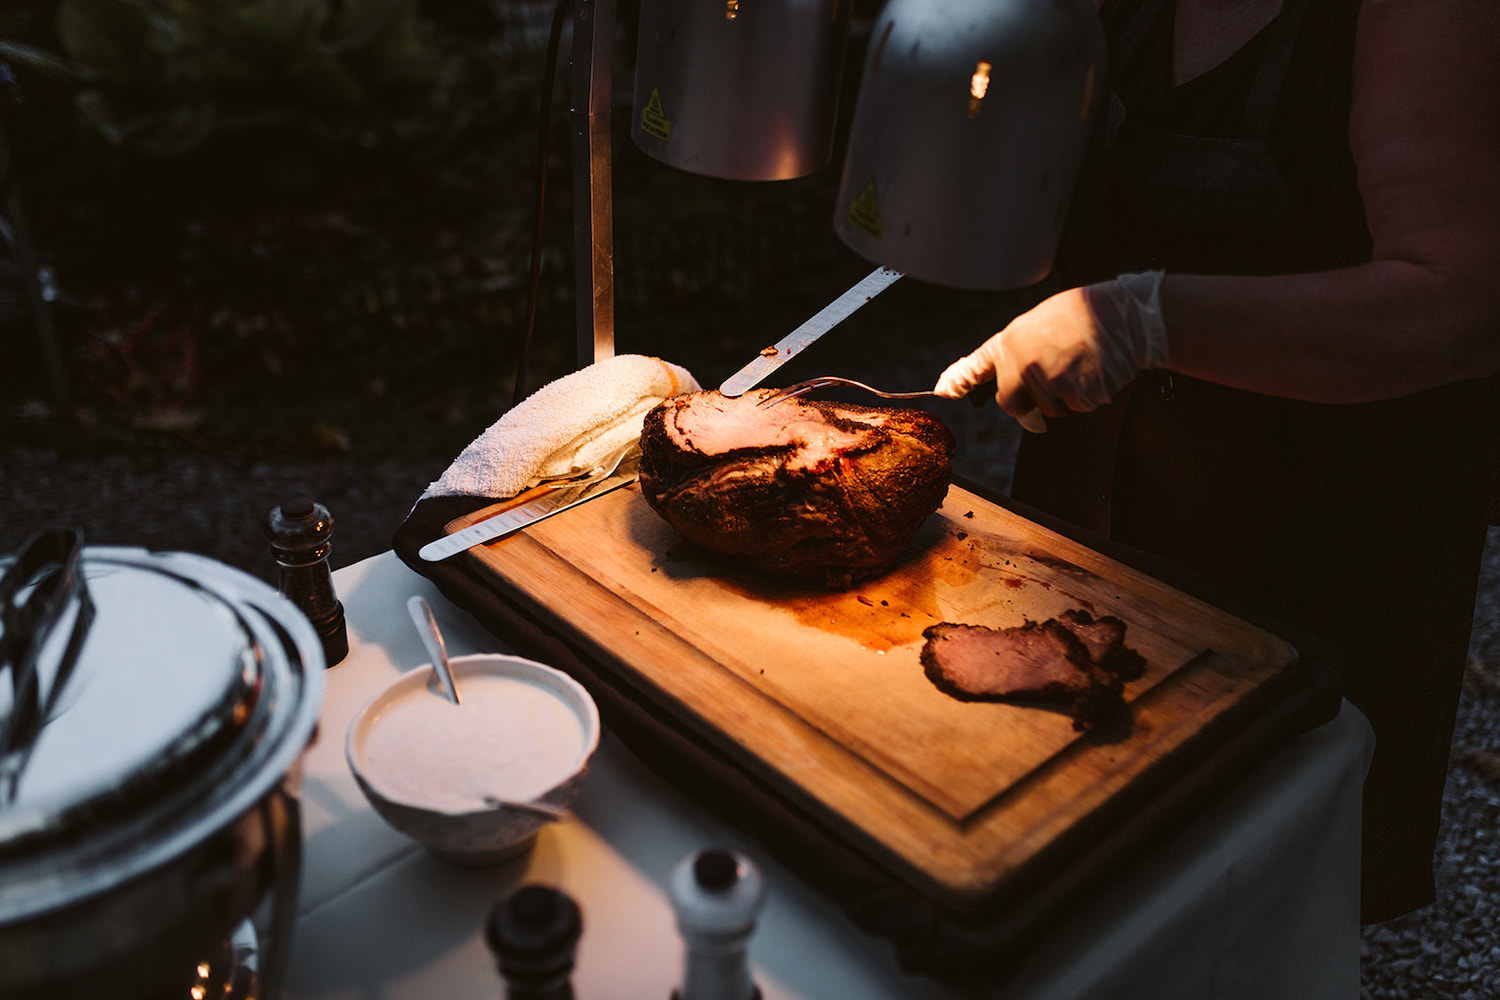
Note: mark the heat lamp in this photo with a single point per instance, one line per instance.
(739, 89)
(969, 129)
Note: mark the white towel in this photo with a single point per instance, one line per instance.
(572, 425)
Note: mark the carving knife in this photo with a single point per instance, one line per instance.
(824, 320)
(553, 501)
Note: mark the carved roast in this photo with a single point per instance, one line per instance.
(829, 491)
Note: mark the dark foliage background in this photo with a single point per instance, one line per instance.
(364, 285)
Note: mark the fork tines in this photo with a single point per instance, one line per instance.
(798, 389)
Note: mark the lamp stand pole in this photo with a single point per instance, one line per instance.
(593, 213)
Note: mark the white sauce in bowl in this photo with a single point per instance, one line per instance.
(512, 738)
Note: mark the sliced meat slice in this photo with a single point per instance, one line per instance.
(1056, 662)
(1042, 661)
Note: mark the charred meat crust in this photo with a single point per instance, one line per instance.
(836, 497)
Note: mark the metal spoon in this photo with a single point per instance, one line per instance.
(437, 652)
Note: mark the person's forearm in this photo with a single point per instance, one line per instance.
(1423, 130)
(1376, 331)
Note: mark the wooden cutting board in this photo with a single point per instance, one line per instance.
(822, 694)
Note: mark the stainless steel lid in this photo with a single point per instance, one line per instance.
(195, 689)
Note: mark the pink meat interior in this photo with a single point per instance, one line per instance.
(988, 662)
(733, 424)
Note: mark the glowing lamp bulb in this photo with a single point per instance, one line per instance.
(979, 83)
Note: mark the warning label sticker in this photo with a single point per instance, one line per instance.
(654, 120)
(865, 212)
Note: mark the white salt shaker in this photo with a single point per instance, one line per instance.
(717, 895)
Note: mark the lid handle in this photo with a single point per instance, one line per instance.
(35, 592)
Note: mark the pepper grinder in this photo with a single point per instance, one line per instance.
(717, 895)
(299, 532)
(533, 934)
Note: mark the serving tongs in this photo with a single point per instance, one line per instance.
(35, 593)
(976, 395)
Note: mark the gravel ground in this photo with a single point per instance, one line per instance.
(214, 505)
(1450, 951)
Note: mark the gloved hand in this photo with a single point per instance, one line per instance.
(1071, 353)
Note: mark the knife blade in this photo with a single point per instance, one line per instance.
(820, 323)
(515, 518)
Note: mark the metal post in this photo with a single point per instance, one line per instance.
(593, 214)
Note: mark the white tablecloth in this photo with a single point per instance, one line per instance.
(1258, 899)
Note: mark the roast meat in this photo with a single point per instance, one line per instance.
(829, 491)
(1075, 662)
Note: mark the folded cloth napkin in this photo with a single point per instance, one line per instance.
(572, 425)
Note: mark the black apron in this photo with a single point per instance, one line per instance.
(1362, 523)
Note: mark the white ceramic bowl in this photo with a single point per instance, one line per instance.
(525, 733)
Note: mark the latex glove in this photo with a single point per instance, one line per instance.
(1072, 353)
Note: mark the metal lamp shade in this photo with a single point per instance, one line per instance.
(739, 89)
(967, 138)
